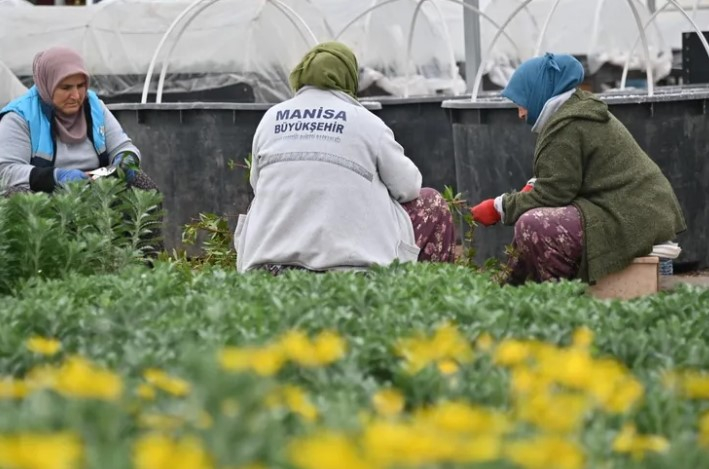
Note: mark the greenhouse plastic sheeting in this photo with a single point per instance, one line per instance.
(673, 23)
(577, 27)
(381, 40)
(231, 41)
(10, 86)
(256, 43)
(607, 40)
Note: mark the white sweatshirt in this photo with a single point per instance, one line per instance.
(328, 177)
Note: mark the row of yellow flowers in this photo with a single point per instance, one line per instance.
(553, 391)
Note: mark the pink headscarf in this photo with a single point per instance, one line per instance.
(50, 67)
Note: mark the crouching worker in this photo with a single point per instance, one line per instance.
(598, 200)
(59, 130)
(332, 188)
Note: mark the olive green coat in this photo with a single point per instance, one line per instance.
(586, 157)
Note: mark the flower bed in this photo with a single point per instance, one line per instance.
(410, 366)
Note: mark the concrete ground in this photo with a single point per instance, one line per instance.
(668, 282)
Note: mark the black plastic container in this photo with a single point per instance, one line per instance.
(695, 63)
(494, 150)
(423, 128)
(195, 153)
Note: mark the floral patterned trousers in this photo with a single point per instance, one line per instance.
(433, 226)
(548, 245)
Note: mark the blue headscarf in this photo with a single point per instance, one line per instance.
(539, 79)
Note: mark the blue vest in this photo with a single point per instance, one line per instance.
(39, 118)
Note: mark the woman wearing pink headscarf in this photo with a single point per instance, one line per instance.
(59, 130)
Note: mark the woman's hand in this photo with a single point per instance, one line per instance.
(486, 213)
(63, 176)
(128, 163)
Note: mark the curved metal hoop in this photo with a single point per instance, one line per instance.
(409, 44)
(163, 39)
(646, 49)
(479, 75)
(543, 32)
(500, 29)
(703, 40)
(296, 20)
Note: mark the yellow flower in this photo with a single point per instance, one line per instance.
(526, 381)
(41, 451)
(628, 441)
(479, 448)
(398, 444)
(325, 451)
(691, 384)
(155, 451)
(459, 417)
(44, 346)
(416, 353)
(265, 361)
(545, 452)
(572, 367)
(445, 344)
(612, 386)
(77, 377)
(583, 337)
(704, 429)
(326, 348)
(171, 385)
(448, 367)
(295, 399)
(297, 348)
(554, 412)
(329, 347)
(145, 391)
(627, 393)
(13, 389)
(388, 402)
(433, 437)
(511, 352)
(298, 402)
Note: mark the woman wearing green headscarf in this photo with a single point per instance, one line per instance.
(332, 187)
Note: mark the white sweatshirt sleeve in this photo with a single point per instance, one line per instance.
(398, 173)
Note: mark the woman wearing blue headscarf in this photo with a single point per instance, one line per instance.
(597, 201)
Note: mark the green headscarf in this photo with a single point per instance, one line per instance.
(330, 65)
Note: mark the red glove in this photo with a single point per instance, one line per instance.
(485, 212)
(529, 186)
